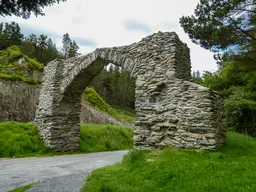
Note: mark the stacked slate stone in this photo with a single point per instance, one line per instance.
(171, 111)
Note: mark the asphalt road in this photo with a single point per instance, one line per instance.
(65, 173)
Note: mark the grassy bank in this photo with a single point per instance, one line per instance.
(91, 97)
(11, 69)
(22, 139)
(232, 168)
(105, 138)
(22, 189)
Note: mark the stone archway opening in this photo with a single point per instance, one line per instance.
(170, 110)
(116, 87)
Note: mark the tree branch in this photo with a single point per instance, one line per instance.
(243, 31)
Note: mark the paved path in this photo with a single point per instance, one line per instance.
(53, 174)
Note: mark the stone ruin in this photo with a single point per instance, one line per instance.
(170, 110)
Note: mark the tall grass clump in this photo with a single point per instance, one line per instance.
(105, 138)
(20, 139)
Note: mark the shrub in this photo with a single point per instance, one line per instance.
(240, 112)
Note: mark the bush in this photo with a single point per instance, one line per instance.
(240, 112)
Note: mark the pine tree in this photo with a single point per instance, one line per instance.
(10, 34)
(218, 24)
(70, 48)
(24, 8)
(73, 49)
(66, 41)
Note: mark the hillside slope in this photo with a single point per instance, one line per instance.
(96, 110)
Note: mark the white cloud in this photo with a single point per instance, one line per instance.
(103, 22)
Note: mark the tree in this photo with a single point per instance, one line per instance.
(196, 77)
(24, 8)
(73, 49)
(41, 47)
(70, 47)
(10, 34)
(218, 24)
(66, 41)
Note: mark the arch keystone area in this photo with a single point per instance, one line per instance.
(170, 110)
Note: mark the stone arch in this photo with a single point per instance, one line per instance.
(160, 64)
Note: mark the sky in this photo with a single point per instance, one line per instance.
(98, 23)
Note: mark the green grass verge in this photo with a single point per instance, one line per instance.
(105, 138)
(22, 189)
(92, 97)
(22, 139)
(19, 76)
(232, 168)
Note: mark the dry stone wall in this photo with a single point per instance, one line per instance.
(170, 110)
(18, 100)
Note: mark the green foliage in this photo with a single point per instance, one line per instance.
(10, 34)
(24, 8)
(19, 76)
(116, 87)
(22, 139)
(196, 77)
(105, 138)
(11, 54)
(70, 47)
(40, 47)
(33, 64)
(241, 112)
(91, 96)
(23, 188)
(217, 24)
(236, 80)
(229, 169)
(135, 157)
(8, 60)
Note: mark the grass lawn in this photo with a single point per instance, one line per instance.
(22, 139)
(231, 168)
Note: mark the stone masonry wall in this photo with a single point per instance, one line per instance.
(190, 117)
(18, 101)
(170, 110)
